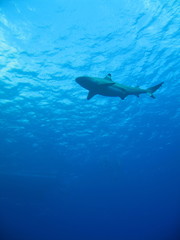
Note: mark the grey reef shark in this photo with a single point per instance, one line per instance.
(107, 87)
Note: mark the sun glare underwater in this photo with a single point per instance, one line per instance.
(103, 168)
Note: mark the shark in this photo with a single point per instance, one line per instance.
(107, 87)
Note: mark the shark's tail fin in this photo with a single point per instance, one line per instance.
(151, 90)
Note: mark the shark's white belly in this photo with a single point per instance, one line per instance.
(112, 91)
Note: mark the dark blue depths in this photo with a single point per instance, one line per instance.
(99, 169)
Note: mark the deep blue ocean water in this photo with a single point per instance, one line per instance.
(104, 169)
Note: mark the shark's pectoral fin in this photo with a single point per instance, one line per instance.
(90, 95)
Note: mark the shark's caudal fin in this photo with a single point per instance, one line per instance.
(151, 90)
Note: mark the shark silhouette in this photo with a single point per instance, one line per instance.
(107, 87)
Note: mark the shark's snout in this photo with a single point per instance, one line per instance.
(85, 82)
(78, 80)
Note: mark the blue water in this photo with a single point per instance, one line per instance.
(72, 169)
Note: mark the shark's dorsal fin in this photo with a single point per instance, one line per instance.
(107, 81)
(90, 95)
(108, 77)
